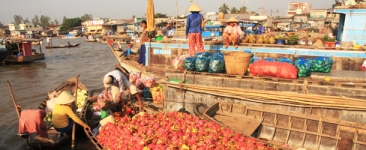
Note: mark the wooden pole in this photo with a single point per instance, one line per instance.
(76, 101)
(13, 98)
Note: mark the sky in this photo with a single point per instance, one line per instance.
(125, 9)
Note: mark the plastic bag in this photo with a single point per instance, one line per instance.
(273, 69)
(270, 59)
(202, 54)
(321, 64)
(178, 62)
(284, 59)
(304, 67)
(102, 100)
(202, 64)
(146, 93)
(148, 82)
(251, 57)
(134, 76)
(217, 63)
(190, 64)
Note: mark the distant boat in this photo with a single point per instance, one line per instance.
(63, 46)
(69, 36)
(12, 52)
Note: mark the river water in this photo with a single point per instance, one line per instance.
(31, 82)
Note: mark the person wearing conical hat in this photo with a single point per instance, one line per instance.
(63, 116)
(194, 30)
(232, 33)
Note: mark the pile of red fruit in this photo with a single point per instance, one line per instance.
(172, 131)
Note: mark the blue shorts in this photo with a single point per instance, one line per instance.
(67, 129)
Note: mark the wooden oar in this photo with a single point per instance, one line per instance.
(76, 102)
(13, 98)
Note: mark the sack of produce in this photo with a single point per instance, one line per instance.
(284, 59)
(202, 64)
(202, 54)
(148, 82)
(178, 62)
(102, 101)
(189, 64)
(304, 67)
(146, 93)
(321, 64)
(134, 76)
(270, 59)
(217, 63)
(251, 57)
(273, 69)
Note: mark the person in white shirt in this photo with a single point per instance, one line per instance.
(168, 31)
(49, 42)
(118, 82)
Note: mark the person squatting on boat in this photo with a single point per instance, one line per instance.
(232, 33)
(144, 38)
(31, 121)
(61, 113)
(194, 30)
(118, 83)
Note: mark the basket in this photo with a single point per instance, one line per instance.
(237, 63)
(157, 96)
(221, 15)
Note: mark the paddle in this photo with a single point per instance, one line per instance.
(76, 101)
(13, 98)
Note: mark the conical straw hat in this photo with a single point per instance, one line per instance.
(65, 98)
(232, 19)
(194, 8)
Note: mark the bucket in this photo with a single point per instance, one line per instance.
(221, 15)
(158, 38)
(237, 63)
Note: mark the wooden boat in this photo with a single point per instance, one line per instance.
(64, 46)
(283, 128)
(19, 50)
(70, 85)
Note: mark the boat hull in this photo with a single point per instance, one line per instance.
(25, 59)
(66, 46)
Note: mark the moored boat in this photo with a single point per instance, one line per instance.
(19, 50)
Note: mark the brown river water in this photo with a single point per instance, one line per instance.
(31, 82)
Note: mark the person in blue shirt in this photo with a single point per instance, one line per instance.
(194, 30)
(168, 30)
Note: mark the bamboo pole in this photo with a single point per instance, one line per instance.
(13, 98)
(76, 101)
